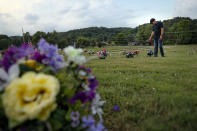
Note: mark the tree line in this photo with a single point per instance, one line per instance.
(179, 30)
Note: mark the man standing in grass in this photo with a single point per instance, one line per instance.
(157, 33)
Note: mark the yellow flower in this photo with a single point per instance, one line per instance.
(30, 97)
(32, 64)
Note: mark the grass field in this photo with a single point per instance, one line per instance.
(152, 93)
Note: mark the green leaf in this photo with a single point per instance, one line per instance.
(47, 69)
(57, 119)
(57, 125)
(59, 115)
(69, 92)
(67, 117)
(24, 68)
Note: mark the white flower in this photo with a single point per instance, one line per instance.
(62, 64)
(86, 87)
(72, 53)
(5, 77)
(80, 60)
(82, 73)
(96, 106)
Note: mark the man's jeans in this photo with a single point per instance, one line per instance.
(160, 43)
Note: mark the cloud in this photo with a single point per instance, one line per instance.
(5, 15)
(31, 18)
(186, 8)
(61, 15)
(6, 24)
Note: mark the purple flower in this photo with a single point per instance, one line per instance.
(90, 95)
(89, 70)
(81, 67)
(83, 97)
(75, 123)
(75, 116)
(116, 108)
(9, 58)
(98, 127)
(84, 68)
(93, 83)
(51, 52)
(47, 49)
(38, 57)
(25, 50)
(43, 46)
(88, 121)
(72, 100)
(13, 54)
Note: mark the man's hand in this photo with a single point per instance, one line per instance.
(161, 37)
(162, 32)
(149, 40)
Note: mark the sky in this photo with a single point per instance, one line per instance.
(64, 15)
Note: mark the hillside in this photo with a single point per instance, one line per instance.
(179, 30)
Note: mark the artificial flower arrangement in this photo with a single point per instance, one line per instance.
(102, 54)
(91, 52)
(44, 89)
(129, 55)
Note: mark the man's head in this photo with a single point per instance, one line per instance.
(152, 21)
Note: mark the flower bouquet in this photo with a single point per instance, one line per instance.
(91, 52)
(102, 54)
(129, 55)
(47, 89)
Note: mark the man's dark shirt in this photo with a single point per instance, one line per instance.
(157, 29)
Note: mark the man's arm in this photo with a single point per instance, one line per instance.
(162, 32)
(151, 37)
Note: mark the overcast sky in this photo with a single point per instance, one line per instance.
(64, 15)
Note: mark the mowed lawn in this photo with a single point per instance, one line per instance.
(152, 93)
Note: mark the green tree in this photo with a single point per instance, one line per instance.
(143, 33)
(180, 32)
(101, 44)
(37, 36)
(52, 37)
(4, 43)
(184, 27)
(27, 37)
(63, 43)
(4, 37)
(16, 40)
(92, 42)
(120, 39)
(83, 42)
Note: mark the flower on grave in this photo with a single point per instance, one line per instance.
(33, 96)
(97, 106)
(41, 88)
(50, 55)
(89, 123)
(13, 54)
(75, 118)
(74, 55)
